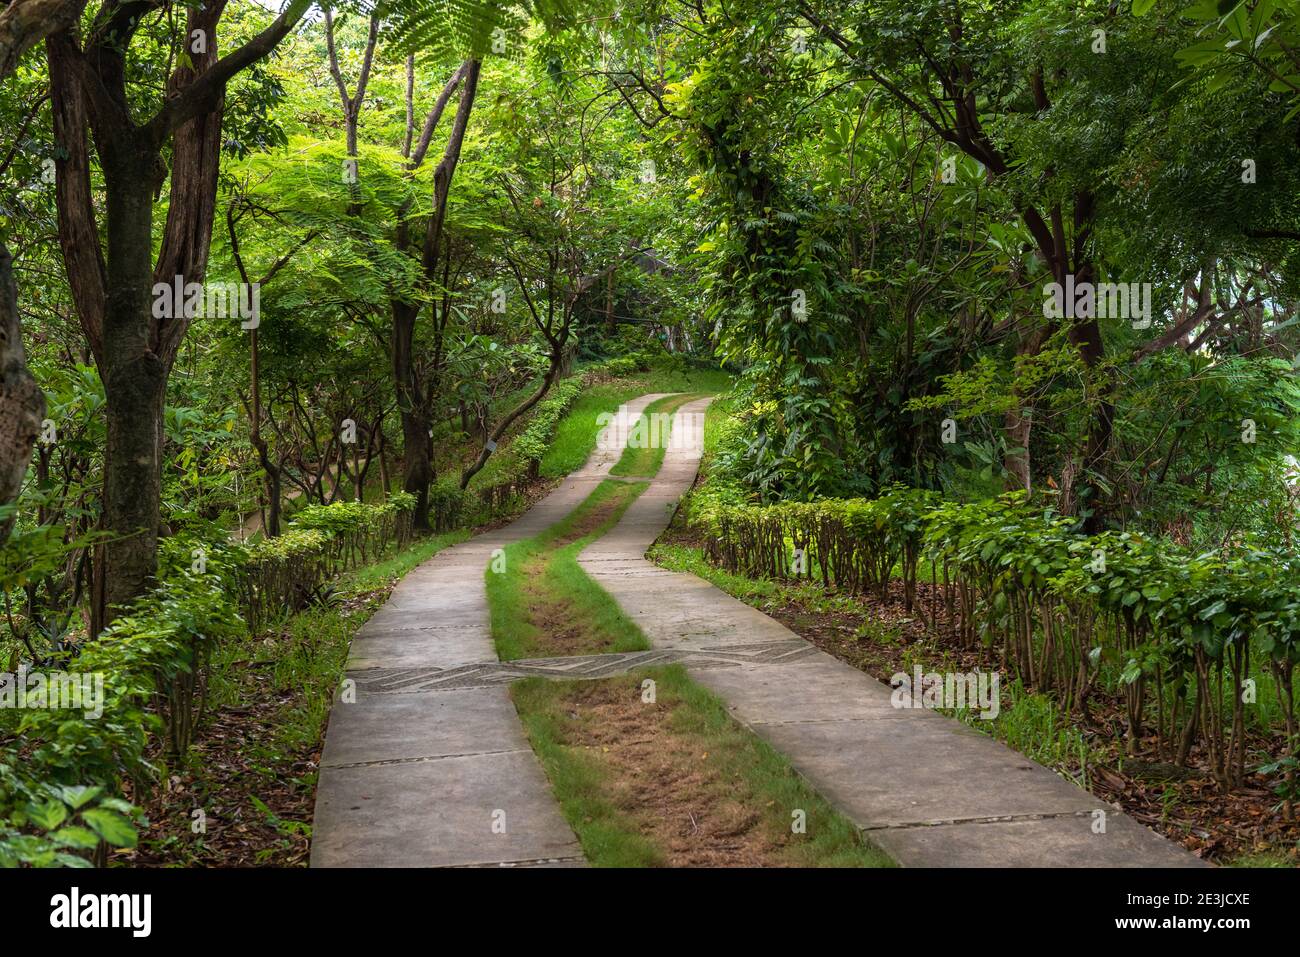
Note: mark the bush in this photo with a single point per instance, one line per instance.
(532, 442)
(277, 576)
(1175, 633)
(62, 798)
(623, 366)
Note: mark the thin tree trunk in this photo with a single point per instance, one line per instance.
(22, 404)
(552, 374)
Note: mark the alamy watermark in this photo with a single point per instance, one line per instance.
(214, 300)
(976, 690)
(65, 690)
(656, 430)
(1104, 300)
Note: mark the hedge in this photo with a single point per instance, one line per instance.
(1184, 635)
(62, 781)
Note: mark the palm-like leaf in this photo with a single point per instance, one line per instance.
(464, 29)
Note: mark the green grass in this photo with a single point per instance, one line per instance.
(1279, 857)
(575, 438)
(545, 567)
(610, 836)
(647, 456)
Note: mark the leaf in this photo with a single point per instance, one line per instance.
(111, 826)
(78, 795)
(76, 836)
(47, 816)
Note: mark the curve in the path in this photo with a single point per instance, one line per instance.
(923, 787)
(422, 773)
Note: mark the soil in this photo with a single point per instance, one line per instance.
(679, 796)
(561, 629)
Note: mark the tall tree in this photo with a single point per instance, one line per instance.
(135, 345)
(414, 396)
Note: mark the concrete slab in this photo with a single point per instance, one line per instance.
(432, 648)
(806, 690)
(1049, 842)
(439, 813)
(411, 777)
(920, 768)
(397, 727)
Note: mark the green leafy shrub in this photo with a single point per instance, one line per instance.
(281, 575)
(531, 443)
(624, 366)
(63, 775)
(1180, 635)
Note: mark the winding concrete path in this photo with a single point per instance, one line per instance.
(430, 767)
(923, 787)
(420, 771)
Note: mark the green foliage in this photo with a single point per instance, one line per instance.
(65, 776)
(464, 28)
(1171, 628)
(531, 444)
(286, 573)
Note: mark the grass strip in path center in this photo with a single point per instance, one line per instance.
(669, 779)
(648, 441)
(544, 605)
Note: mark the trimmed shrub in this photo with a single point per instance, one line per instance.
(1181, 636)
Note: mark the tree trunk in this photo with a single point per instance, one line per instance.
(413, 407)
(25, 23)
(135, 384)
(385, 479)
(418, 465)
(22, 404)
(1016, 425)
(133, 347)
(1086, 336)
(609, 303)
(551, 375)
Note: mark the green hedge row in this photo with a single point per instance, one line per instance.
(1191, 640)
(64, 772)
(283, 574)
